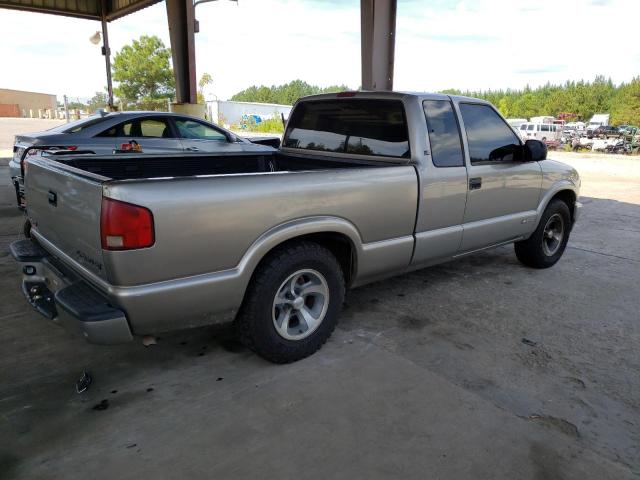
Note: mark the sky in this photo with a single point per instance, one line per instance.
(474, 44)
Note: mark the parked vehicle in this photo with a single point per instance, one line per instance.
(366, 185)
(545, 132)
(598, 120)
(606, 131)
(153, 132)
(516, 124)
(543, 119)
(572, 127)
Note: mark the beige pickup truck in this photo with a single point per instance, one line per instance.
(364, 186)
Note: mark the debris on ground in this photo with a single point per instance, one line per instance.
(103, 405)
(531, 343)
(83, 382)
(148, 340)
(559, 424)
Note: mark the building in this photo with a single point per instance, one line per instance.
(229, 113)
(18, 103)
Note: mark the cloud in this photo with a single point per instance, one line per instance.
(440, 44)
(539, 70)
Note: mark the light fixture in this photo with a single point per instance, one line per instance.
(95, 38)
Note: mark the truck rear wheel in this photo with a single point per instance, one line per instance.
(546, 245)
(292, 304)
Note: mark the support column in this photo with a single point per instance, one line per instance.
(377, 39)
(106, 51)
(181, 17)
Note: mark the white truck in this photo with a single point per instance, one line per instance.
(598, 120)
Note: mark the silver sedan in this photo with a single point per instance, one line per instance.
(146, 132)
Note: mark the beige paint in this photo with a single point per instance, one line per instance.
(29, 102)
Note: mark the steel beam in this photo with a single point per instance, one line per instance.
(377, 40)
(181, 17)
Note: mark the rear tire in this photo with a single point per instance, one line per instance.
(292, 303)
(547, 244)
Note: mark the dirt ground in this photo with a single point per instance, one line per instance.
(479, 368)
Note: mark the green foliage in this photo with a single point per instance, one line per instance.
(625, 108)
(205, 79)
(144, 72)
(285, 94)
(99, 100)
(269, 125)
(581, 98)
(76, 105)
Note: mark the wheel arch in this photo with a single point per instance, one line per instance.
(569, 197)
(337, 235)
(565, 191)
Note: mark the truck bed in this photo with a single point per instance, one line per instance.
(127, 166)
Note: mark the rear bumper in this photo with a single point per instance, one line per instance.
(60, 295)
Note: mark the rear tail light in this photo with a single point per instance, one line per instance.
(124, 226)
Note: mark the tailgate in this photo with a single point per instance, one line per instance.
(64, 207)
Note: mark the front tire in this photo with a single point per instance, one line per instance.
(292, 303)
(547, 244)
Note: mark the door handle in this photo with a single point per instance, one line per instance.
(192, 149)
(53, 198)
(475, 183)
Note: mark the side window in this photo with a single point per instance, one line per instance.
(155, 127)
(545, 128)
(198, 131)
(146, 127)
(119, 130)
(489, 137)
(444, 135)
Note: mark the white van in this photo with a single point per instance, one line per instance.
(544, 132)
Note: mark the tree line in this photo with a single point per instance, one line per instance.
(581, 98)
(285, 94)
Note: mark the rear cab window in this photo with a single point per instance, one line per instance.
(350, 126)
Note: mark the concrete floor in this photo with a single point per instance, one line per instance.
(426, 377)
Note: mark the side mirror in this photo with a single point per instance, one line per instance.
(534, 151)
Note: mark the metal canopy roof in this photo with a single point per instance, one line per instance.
(90, 9)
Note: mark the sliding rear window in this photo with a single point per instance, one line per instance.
(352, 126)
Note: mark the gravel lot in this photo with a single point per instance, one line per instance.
(479, 368)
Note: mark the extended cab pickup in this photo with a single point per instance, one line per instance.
(365, 186)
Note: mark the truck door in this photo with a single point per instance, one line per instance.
(443, 185)
(503, 191)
